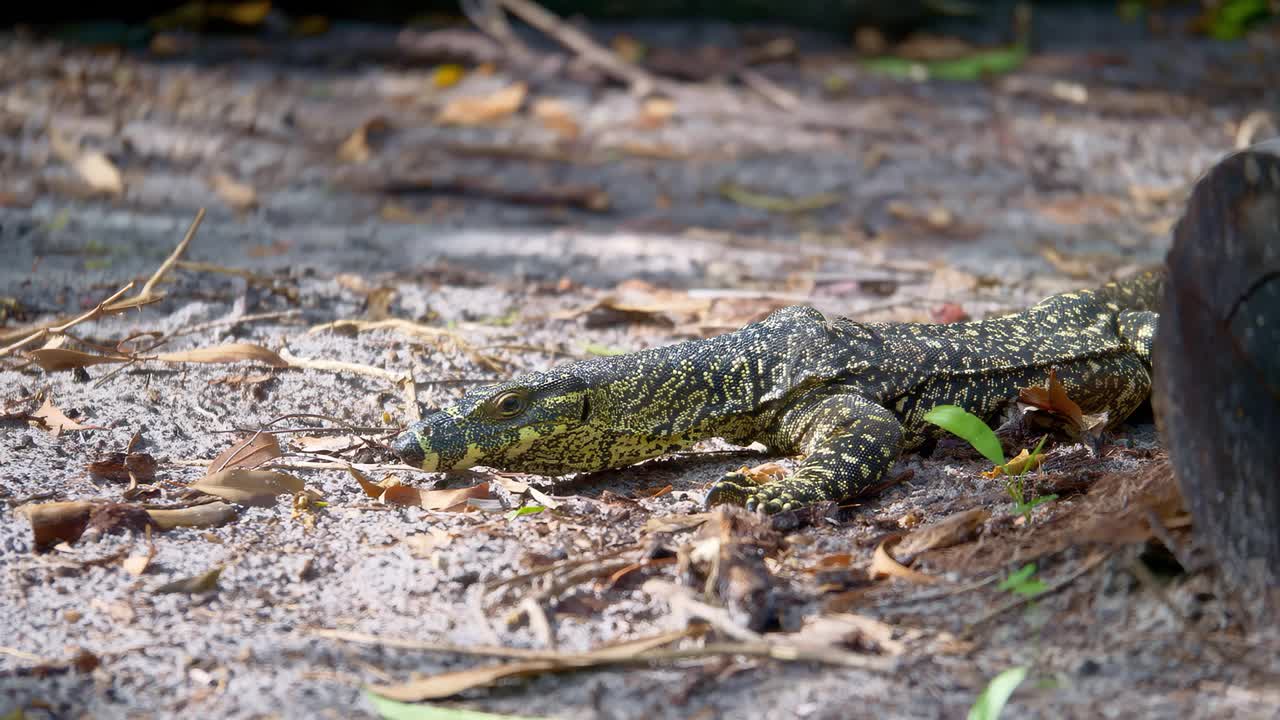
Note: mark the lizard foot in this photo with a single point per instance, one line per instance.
(740, 486)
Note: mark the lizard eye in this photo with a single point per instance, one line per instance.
(510, 404)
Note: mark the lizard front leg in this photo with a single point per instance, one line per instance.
(848, 441)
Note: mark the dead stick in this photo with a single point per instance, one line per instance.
(640, 80)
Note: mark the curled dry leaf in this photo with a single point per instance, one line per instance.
(97, 170)
(206, 515)
(119, 467)
(556, 117)
(654, 113)
(883, 564)
(56, 359)
(483, 109)
(356, 148)
(202, 583)
(249, 487)
(1023, 462)
(951, 530)
(56, 422)
(233, 352)
(56, 522)
(239, 195)
(249, 452)
(391, 492)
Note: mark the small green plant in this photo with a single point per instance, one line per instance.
(1024, 582)
(525, 510)
(992, 700)
(970, 428)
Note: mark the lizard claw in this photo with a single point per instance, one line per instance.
(735, 488)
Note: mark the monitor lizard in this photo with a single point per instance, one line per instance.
(848, 396)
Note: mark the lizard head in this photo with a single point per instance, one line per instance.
(551, 423)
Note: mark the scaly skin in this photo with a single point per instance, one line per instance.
(848, 396)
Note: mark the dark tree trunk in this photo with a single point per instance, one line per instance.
(1217, 366)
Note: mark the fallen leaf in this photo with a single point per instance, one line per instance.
(56, 522)
(654, 113)
(356, 148)
(951, 530)
(238, 195)
(855, 632)
(325, 444)
(249, 487)
(772, 203)
(233, 352)
(484, 109)
(249, 452)
(393, 493)
(56, 422)
(451, 683)
(446, 76)
(206, 515)
(119, 467)
(199, 584)
(136, 565)
(556, 117)
(637, 300)
(1053, 399)
(883, 564)
(55, 359)
(99, 172)
(1021, 463)
(425, 544)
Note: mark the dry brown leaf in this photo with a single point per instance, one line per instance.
(325, 444)
(642, 301)
(847, 630)
(884, 565)
(483, 109)
(99, 172)
(56, 422)
(1022, 463)
(425, 544)
(556, 117)
(249, 452)
(451, 683)
(203, 583)
(136, 565)
(238, 195)
(55, 359)
(206, 515)
(56, 522)
(123, 467)
(391, 492)
(249, 487)
(356, 148)
(951, 530)
(1053, 399)
(654, 113)
(232, 352)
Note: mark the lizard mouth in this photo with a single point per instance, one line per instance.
(408, 449)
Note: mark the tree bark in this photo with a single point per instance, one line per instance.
(1217, 369)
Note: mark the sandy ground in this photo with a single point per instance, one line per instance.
(985, 196)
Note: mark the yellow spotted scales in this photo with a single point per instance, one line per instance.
(848, 396)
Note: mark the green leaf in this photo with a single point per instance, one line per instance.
(393, 710)
(992, 700)
(966, 425)
(601, 350)
(972, 67)
(526, 510)
(1023, 582)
